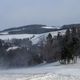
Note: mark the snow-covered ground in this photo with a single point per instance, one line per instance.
(12, 48)
(43, 36)
(50, 27)
(46, 27)
(52, 71)
(35, 38)
(15, 36)
(38, 77)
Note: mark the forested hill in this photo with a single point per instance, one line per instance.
(70, 26)
(37, 29)
(30, 29)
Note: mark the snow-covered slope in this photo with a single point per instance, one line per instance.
(37, 38)
(52, 71)
(34, 37)
(15, 36)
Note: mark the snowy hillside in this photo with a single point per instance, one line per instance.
(34, 37)
(15, 36)
(37, 38)
(52, 71)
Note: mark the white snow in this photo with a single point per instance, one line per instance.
(39, 77)
(12, 48)
(51, 27)
(46, 27)
(35, 38)
(4, 33)
(15, 36)
(52, 71)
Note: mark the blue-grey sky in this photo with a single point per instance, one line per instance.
(15, 13)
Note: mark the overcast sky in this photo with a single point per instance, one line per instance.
(15, 13)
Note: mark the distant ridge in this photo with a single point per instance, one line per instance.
(29, 29)
(36, 29)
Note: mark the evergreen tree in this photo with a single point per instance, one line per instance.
(48, 48)
(66, 54)
(49, 39)
(70, 45)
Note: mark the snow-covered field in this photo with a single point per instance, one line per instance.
(35, 38)
(15, 36)
(39, 77)
(52, 71)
